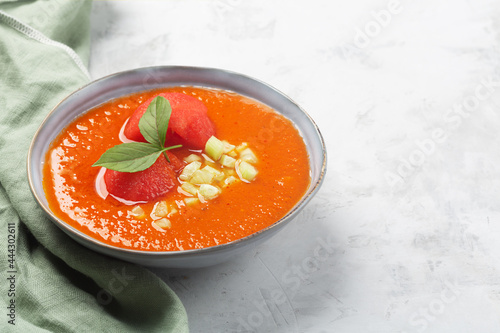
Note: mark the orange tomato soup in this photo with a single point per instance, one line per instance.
(240, 210)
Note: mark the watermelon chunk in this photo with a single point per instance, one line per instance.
(147, 185)
(189, 123)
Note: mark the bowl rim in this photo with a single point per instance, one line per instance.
(310, 192)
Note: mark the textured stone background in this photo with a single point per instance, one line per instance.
(403, 235)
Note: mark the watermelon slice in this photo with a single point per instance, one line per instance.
(189, 123)
(147, 185)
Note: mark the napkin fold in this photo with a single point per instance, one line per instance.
(50, 283)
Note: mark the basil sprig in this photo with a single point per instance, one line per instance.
(138, 156)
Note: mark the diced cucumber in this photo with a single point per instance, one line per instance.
(227, 161)
(189, 188)
(208, 192)
(248, 155)
(211, 169)
(138, 212)
(161, 209)
(246, 171)
(189, 169)
(192, 158)
(191, 201)
(172, 211)
(218, 175)
(214, 148)
(202, 177)
(163, 223)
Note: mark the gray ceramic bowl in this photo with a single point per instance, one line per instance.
(128, 82)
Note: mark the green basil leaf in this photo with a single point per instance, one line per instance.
(154, 122)
(129, 157)
(138, 156)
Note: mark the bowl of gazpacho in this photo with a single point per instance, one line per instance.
(175, 166)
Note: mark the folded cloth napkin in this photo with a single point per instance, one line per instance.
(49, 282)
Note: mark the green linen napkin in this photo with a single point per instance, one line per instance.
(49, 282)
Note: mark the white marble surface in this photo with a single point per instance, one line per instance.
(404, 235)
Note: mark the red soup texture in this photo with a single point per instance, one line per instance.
(180, 217)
